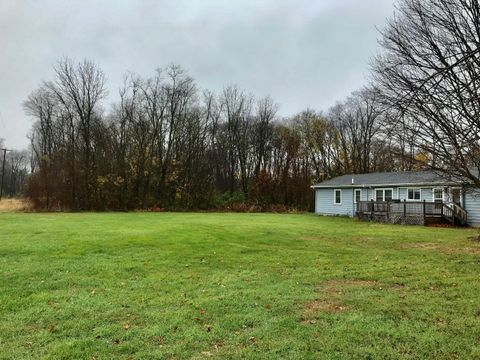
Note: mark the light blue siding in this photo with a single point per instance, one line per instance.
(472, 205)
(427, 194)
(325, 202)
(324, 199)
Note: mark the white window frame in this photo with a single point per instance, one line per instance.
(335, 197)
(414, 188)
(383, 193)
(433, 194)
(355, 195)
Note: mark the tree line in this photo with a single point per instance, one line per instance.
(169, 144)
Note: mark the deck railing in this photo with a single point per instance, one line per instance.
(451, 212)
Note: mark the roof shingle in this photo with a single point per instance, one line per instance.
(426, 177)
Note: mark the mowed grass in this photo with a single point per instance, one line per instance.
(234, 286)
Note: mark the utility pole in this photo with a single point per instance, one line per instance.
(3, 170)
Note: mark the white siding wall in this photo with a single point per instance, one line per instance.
(472, 205)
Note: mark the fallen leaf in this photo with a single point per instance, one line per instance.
(126, 326)
(116, 341)
(209, 328)
(268, 306)
(203, 311)
(51, 328)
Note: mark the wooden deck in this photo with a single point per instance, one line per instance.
(411, 212)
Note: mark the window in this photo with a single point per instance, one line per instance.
(338, 197)
(438, 195)
(358, 195)
(414, 194)
(384, 194)
(388, 194)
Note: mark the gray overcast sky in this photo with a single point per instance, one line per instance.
(304, 53)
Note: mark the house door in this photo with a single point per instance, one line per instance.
(455, 196)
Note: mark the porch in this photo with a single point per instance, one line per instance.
(411, 212)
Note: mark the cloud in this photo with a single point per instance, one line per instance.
(302, 53)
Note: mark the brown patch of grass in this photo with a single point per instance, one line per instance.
(399, 286)
(15, 204)
(475, 238)
(361, 239)
(311, 238)
(332, 299)
(443, 248)
(350, 283)
(320, 306)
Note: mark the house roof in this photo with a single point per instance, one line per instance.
(403, 178)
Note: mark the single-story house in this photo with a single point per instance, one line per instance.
(400, 197)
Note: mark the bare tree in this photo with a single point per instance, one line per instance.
(43, 106)
(429, 72)
(80, 89)
(321, 140)
(237, 108)
(358, 119)
(266, 110)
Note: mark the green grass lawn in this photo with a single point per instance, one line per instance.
(234, 286)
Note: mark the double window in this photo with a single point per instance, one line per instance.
(383, 194)
(414, 194)
(337, 197)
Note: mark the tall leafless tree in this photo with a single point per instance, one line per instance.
(429, 72)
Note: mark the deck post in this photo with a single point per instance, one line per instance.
(424, 210)
(404, 207)
(441, 211)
